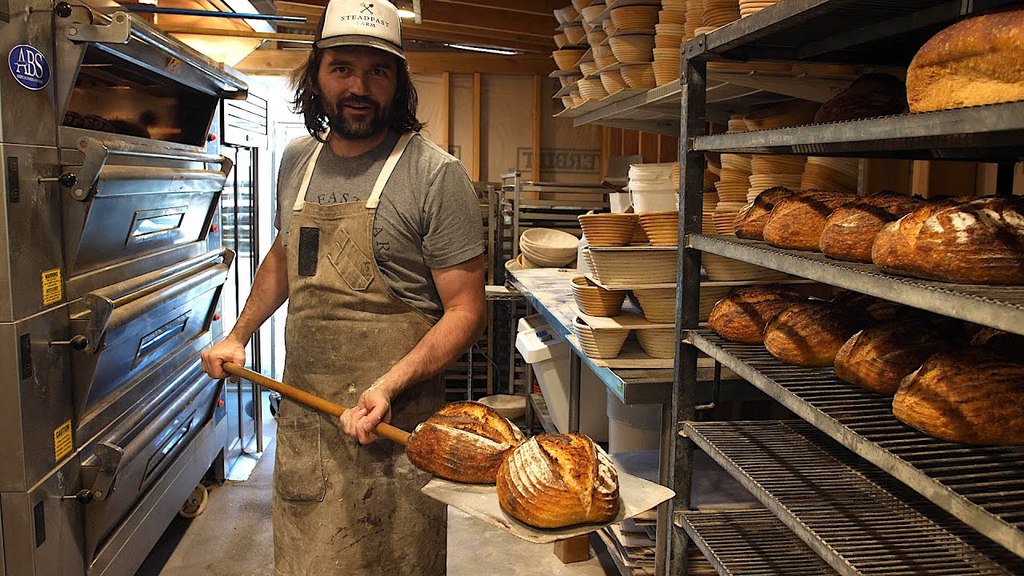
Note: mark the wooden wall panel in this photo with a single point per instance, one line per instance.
(507, 116)
(568, 154)
(431, 89)
(462, 119)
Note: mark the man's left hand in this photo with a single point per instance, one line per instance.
(373, 407)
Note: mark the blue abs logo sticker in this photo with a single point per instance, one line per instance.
(29, 67)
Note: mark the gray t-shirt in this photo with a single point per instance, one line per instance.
(428, 217)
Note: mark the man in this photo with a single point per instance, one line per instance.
(380, 257)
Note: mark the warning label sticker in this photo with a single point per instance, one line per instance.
(62, 441)
(53, 289)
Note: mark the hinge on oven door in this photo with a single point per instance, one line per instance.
(117, 31)
(110, 463)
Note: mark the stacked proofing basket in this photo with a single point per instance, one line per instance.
(651, 188)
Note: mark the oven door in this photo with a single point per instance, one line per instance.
(131, 456)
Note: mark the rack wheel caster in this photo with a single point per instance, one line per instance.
(195, 503)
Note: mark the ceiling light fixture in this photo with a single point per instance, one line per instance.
(484, 49)
(409, 9)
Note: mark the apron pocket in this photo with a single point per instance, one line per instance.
(350, 263)
(299, 471)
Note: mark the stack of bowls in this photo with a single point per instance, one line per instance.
(591, 89)
(633, 48)
(611, 229)
(639, 76)
(602, 344)
(631, 267)
(566, 59)
(658, 342)
(594, 300)
(720, 268)
(548, 248)
(635, 18)
(662, 228)
(658, 304)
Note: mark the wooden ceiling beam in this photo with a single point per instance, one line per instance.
(543, 7)
(488, 19)
(279, 62)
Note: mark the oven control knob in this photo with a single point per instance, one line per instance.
(62, 9)
(68, 180)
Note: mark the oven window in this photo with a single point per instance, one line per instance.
(120, 97)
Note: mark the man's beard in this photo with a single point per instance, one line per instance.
(355, 129)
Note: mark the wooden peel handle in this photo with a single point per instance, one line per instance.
(384, 430)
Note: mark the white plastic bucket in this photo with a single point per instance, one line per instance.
(654, 200)
(633, 427)
(651, 171)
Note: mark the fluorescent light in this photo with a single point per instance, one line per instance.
(403, 13)
(484, 49)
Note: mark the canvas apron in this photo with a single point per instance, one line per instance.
(339, 507)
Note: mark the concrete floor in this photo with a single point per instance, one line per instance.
(233, 538)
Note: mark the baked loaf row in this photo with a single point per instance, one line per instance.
(950, 379)
(979, 241)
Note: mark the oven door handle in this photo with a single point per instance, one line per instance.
(120, 447)
(97, 152)
(145, 290)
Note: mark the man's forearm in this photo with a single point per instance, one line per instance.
(453, 334)
(269, 291)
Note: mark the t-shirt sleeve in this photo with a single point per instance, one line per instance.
(454, 230)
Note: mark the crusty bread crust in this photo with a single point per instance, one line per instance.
(464, 442)
(558, 480)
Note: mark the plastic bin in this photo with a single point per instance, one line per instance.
(633, 427)
(547, 353)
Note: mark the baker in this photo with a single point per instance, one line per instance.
(380, 257)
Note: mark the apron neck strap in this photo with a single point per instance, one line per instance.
(389, 166)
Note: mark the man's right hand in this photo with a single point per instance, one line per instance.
(227, 350)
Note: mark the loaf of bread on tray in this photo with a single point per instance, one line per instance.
(977, 242)
(873, 308)
(742, 315)
(797, 222)
(878, 357)
(868, 96)
(811, 333)
(750, 221)
(850, 230)
(979, 60)
(558, 480)
(463, 441)
(999, 342)
(965, 395)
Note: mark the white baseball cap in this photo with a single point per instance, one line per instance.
(373, 23)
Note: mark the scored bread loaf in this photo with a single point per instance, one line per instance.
(742, 315)
(869, 95)
(810, 333)
(878, 357)
(750, 220)
(558, 480)
(965, 395)
(977, 242)
(979, 60)
(464, 442)
(850, 230)
(999, 342)
(797, 222)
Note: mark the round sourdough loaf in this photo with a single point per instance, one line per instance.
(850, 231)
(742, 315)
(966, 395)
(750, 221)
(976, 242)
(975, 61)
(880, 356)
(797, 222)
(558, 480)
(811, 333)
(464, 442)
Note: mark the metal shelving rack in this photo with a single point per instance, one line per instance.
(974, 497)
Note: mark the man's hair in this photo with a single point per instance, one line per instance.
(307, 101)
